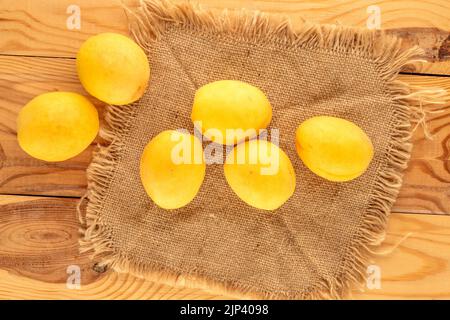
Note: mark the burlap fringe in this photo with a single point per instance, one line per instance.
(149, 23)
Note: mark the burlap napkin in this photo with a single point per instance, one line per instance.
(318, 243)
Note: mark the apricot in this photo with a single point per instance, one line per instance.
(260, 174)
(233, 107)
(113, 68)
(172, 168)
(56, 126)
(333, 148)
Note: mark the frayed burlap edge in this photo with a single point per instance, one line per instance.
(149, 23)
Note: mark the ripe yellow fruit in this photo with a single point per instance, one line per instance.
(333, 148)
(172, 168)
(230, 104)
(113, 68)
(57, 126)
(260, 173)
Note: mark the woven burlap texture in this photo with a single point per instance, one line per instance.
(317, 244)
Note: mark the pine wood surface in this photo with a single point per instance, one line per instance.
(38, 226)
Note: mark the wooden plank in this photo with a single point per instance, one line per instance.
(426, 184)
(420, 267)
(39, 242)
(427, 181)
(39, 28)
(39, 239)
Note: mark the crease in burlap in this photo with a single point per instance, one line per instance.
(317, 245)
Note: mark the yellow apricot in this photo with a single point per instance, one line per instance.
(333, 148)
(172, 168)
(260, 174)
(230, 104)
(56, 126)
(113, 68)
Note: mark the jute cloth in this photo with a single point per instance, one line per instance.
(317, 244)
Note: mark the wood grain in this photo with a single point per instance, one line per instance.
(427, 181)
(38, 28)
(39, 241)
(426, 184)
(420, 267)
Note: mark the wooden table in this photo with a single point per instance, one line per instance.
(38, 225)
